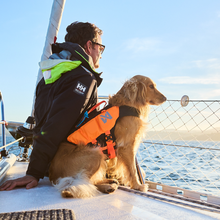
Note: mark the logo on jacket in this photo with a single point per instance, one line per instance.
(105, 117)
(80, 88)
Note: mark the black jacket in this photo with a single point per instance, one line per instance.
(60, 105)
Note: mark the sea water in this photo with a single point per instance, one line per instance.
(192, 165)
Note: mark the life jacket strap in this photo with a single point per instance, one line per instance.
(86, 114)
(110, 145)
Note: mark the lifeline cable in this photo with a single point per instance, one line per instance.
(177, 145)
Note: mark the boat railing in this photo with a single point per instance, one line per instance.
(3, 120)
(182, 145)
(180, 152)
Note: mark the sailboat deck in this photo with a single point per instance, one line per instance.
(119, 205)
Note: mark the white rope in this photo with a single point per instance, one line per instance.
(12, 142)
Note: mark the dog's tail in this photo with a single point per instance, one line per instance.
(78, 187)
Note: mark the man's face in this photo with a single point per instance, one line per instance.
(94, 52)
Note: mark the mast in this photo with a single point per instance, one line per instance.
(52, 31)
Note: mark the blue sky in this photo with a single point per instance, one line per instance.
(176, 43)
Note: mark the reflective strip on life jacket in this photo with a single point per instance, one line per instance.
(95, 127)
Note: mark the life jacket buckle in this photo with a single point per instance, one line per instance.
(108, 138)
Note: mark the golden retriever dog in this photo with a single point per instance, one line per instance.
(80, 171)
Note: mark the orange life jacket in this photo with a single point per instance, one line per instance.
(100, 129)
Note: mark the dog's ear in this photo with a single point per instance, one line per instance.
(141, 97)
(130, 89)
(135, 91)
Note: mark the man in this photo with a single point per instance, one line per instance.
(67, 90)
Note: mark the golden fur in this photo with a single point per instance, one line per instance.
(80, 171)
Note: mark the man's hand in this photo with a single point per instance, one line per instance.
(28, 181)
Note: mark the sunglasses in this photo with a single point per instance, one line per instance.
(101, 48)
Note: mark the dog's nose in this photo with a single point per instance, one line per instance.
(164, 99)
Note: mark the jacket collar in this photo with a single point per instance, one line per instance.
(78, 53)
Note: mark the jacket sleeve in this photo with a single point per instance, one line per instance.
(68, 103)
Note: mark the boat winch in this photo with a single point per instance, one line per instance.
(25, 131)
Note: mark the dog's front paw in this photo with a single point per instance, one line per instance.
(111, 188)
(142, 188)
(107, 188)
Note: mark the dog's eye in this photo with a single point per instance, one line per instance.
(151, 86)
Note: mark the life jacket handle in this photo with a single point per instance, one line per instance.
(95, 106)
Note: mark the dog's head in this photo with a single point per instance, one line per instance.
(141, 91)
